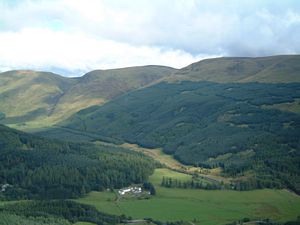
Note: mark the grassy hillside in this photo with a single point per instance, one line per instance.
(30, 95)
(30, 99)
(273, 69)
(114, 82)
(209, 124)
(100, 86)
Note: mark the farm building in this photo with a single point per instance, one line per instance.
(134, 190)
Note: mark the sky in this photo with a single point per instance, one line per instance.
(72, 37)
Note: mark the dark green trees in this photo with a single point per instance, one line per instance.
(41, 168)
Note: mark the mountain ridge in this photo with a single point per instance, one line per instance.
(31, 98)
(243, 69)
(34, 99)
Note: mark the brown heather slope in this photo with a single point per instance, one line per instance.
(273, 69)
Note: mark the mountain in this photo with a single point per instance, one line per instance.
(30, 99)
(273, 69)
(233, 122)
(27, 95)
(241, 114)
(100, 86)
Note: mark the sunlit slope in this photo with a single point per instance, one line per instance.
(273, 69)
(99, 86)
(28, 95)
(30, 99)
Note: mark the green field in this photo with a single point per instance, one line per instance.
(207, 207)
(83, 223)
(87, 223)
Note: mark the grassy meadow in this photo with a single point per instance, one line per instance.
(174, 165)
(83, 223)
(199, 206)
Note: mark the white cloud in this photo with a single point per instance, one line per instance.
(44, 49)
(82, 35)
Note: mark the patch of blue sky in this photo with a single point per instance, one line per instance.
(55, 25)
(11, 3)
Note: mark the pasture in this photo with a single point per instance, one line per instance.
(205, 207)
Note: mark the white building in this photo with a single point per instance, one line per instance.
(134, 190)
(4, 187)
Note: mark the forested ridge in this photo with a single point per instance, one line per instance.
(34, 167)
(239, 127)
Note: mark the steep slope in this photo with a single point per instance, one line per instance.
(100, 86)
(28, 95)
(208, 124)
(273, 69)
(31, 99)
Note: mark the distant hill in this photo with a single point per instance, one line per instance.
(273, 69)
(30, 99)
(100, 86)
(27, 95)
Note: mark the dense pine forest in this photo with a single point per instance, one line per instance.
(39, 168)
(242, 128)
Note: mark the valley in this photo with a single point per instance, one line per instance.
(216, 142)
(169, 162)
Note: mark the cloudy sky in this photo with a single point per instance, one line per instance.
(72, 37)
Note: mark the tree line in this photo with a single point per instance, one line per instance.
(192, 184)
(48, 212)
